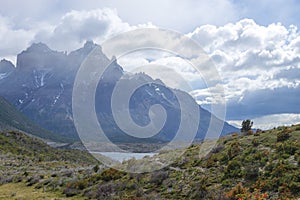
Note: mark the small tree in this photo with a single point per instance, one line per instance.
(246, 126)
(96, 168)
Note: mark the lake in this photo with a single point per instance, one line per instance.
(121, 156)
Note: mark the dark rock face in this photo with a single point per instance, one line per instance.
(41, 87)
(6, 68)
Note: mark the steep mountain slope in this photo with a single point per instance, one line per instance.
(40, 88)
(141, 101)
(42, 83)
(13, 119)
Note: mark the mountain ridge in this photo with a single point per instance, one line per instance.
(42, 83)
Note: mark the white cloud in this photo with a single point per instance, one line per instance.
(164, 65)
(76, 27)
(268, 11)
(12, 40)
(69, 33)
(252, 57)
(253, 60)
(178, 15)
(271, 121)
(73, 29)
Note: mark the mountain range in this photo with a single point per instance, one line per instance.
(40, 87)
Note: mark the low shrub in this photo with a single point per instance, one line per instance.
(255, 142)
(104, 191)
(236, 192)
(234, 150)
(233, 169)
(251, 173)
(111, 174)
(69, 191)
(158, 177)
(33, 180)
(288, 148)
(283, 135)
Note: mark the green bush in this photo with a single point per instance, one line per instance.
(288, 148)
(250, 132)
(78, 185)
(200, 189)
(111, 174)
(251, 173)
(280, 169)
(258, 132)
(82, 184)
(295, 187)
(226, 183)
(233, 169)
(255, 142)
(283, 135)
(211, 161)
(234, 150)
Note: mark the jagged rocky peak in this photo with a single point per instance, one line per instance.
(38, 47)
(113, 59)
(85, 50)
(6, 66)
(89, 44)
(39, 55)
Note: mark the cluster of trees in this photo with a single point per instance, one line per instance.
(246, 126)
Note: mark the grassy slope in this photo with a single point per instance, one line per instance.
(21, 191)
(19, 144)
(11, 118)
(243, 167)
(247, 167)
(30, 169)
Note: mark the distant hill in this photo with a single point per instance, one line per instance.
(13, 119)
(19, 144)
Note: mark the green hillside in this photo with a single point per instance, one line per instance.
(30, 169)
(264, 165)
(18, 144)
(261, 165)
(12, 119)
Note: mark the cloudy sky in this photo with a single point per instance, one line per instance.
(255, 45)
